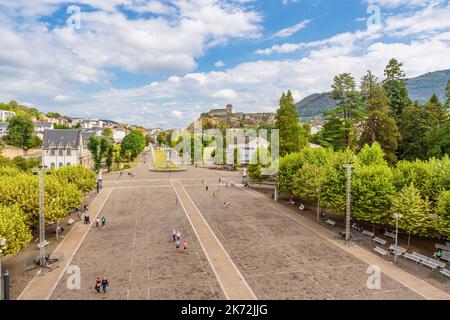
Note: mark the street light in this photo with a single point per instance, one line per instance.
(2, 244)
(396, 216)
(348, 201)
(42, 243)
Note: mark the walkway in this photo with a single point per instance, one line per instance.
(229, 277)
(41, 286)
(417, 285)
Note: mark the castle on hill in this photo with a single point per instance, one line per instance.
(236, 119)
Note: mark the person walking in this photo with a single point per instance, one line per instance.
(185, 246)
(176, 201)
(174, 235)
(103, 221)
(178, 235)
(98, 284)
(177, 245)
(88, 219)
(105, 285)
(97, 222)
(206, 188)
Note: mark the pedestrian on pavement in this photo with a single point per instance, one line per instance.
(185, 246)
(97, 222)
(206, 188)
(176, 201)
(103, 221)
(105, 284)
(88, 219)
(178, 234)
(177, 245)
(220, 180)
(98, 284)
(174, 235)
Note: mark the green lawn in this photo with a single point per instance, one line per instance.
(160, 159)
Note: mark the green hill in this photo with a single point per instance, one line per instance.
(420, 88)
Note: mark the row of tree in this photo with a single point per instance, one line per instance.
(19, 200)
(419, 190)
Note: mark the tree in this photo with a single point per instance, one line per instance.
(107, 133)
(307, 181)
(416, 214)
(291, 135)
(21, 132)
(148, 139)
(379, 125)
(133, 144)
(443, 211)
(99, 148)
(83, 178)
(13, 226)
(348, 114)
(447, 94)
(395, 87)
(260, 160)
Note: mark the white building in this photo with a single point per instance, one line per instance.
(61, 148)
(3, 128)
(118, 135)
(245, 150)
(5, 115)
(40, 127)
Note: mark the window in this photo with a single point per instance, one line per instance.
(61, 150)
(68, 164)
(69, 151)
(61, 165)
(52, 151)
(53, 165)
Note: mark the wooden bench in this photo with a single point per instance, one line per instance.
(379, 240)
(331, 222)
(445, 272)
(439, 263)
(368, 233)
(398, 251)
(380, 251)
(446, 256)
(429, 263)
(421, 256)
(390, 235)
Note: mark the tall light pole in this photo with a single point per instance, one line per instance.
(318, 204)
(348, 201)
(396, 216)
(2, 244)
(41, 170)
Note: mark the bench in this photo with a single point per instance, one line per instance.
(390, 235)
(429, 263)
(379, 240)
(421, 256)
(398, 251)
(442, 247)
(380, 251)
(446, 256)
(445, 272)
(368, 233)
(331, 222)
(412, 257)
(439, 263)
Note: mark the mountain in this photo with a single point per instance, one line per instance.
(420, 88)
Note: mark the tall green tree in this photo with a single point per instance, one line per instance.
(133, 144)
(443, 211)
(395, 87)
(291, 135)
(379, 125)
(99, 149)
(348, 114)
(21, 132)
(447, 94)
(13, 226)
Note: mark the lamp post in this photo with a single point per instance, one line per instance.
(2, 244)
(396, 216)
(41, 170)
(318, 204)
(348, 201)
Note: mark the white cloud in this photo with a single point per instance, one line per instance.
(225, 94)
(287, 32)
(219, 64)
(177, 114)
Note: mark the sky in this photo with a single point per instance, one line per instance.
(160, 63)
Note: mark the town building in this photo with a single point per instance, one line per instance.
(3, 128)
(61, 148)
(246, 149)
(118, 135)
(5, 115)
(41, 126)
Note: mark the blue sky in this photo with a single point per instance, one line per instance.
(161, 63)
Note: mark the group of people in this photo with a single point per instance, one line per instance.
(176, 237)
(101, 285)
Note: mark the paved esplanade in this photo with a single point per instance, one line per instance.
(254, 249)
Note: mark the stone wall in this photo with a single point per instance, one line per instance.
(12, 152)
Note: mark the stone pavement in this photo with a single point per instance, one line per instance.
(415, 284)
(230, 279)
(42, 286)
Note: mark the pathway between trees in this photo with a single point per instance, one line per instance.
(41, 286)
(229, 277)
